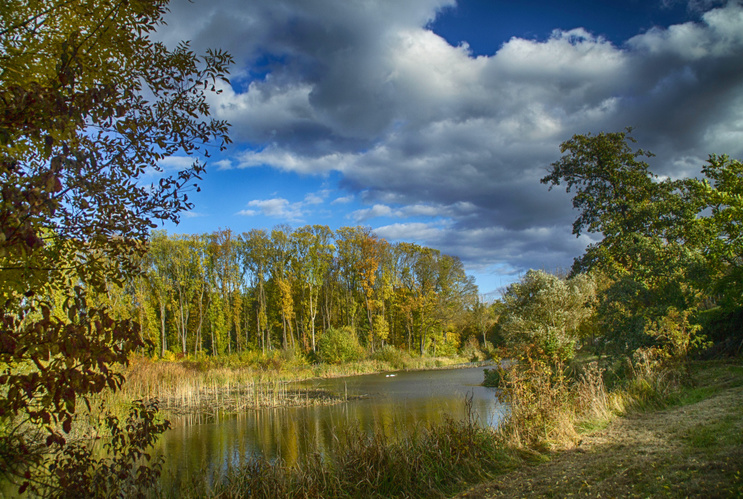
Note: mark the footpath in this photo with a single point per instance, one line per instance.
(694, 449)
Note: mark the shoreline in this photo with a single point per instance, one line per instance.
(185, 389)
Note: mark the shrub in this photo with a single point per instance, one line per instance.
(340, 345)
(471, 349)
(494, 377)
(541, 402)
(126, 470)
(546, 311)
(390, 355)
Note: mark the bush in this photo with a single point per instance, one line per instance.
(494, 377)
(340, 345)
(541, 402)
(126, 469)
(471, 350)
(390, 355)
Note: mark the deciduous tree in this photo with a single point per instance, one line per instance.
(546, 311)
(88, 104)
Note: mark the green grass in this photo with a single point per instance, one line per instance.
(592, 425)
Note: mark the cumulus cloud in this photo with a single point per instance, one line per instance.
(275, 208)
(224, 164)
(416, 210)
(343, 200)
(417, 127)
(283, 209)
(175, 163)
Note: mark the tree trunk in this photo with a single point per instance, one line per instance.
(163, 341)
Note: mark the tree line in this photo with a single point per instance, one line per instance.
(222, 293)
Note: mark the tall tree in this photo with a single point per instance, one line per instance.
(348, 256)
(484, 317)
(199, 245)
(183, 274)
(88, 104)
(313, 252)
(647, 248)
(156, 268)
(719, 227)
(226, 304)
(256, 251)
(282, 276)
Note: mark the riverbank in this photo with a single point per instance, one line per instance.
(692, 447)
(203, 386)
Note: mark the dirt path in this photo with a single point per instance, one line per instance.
(694, 450)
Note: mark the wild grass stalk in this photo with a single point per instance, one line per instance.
(550, 404)
(249, 380)
(432, 461)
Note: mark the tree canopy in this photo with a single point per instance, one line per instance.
(225, 293)
(89, 105)
(666, 245)
(546, 311)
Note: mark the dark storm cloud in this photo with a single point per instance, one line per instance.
(411, 122)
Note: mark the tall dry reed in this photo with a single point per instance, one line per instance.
(433, 461)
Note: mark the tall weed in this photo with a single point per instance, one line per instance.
(541, 402)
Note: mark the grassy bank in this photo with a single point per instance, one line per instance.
(630, 428)
(661, 439)
(427, 462)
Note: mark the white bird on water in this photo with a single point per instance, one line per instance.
(390, 375)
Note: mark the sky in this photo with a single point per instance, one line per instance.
(432, 121)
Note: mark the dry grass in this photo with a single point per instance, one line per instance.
(184, 388)
(694, 448)
(428, 462)
(233, 384)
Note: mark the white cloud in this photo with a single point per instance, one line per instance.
(176, 163)
(247, 213)
(416, 210)
(283, 209)
(419, 128)
(315, 198)
(409, 231)
(378, 210)
(275, 208)
(193, 214)
(343, 200)
(224, 164)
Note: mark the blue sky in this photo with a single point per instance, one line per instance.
(432, 121)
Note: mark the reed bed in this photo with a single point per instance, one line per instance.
(234, 385)
(182, 388)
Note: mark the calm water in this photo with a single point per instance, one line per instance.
(393, 405)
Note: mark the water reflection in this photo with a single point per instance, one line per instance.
(377, 403)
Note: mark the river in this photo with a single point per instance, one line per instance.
(392, 403)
